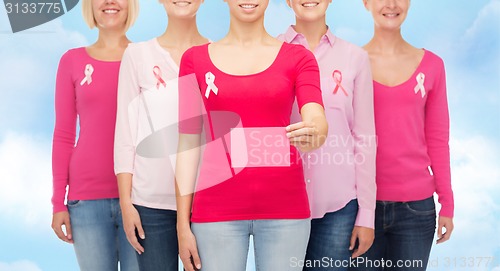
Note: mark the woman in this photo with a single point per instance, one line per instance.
(340, 177)
(86, 88)
(249, 79)
(146, 135)
(413, 160)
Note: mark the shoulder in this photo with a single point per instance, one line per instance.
(73, 56)
(194, 52)
(297, 52)
(141, 48)
(355, 51)
(74, 53)
(432, 63)
(432, 58)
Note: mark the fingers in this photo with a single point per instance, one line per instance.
(190, 259)
(439, 231)
(58, 220)
(295, 126)
(302, 130)
(196, 259)
(69, 233)
(353, 242)
(363, 247)
(132, 239)
(447, 224)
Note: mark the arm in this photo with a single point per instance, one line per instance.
(187, 161)
(130, 216)
(63, 145)
(437, 133)
(311, 132)
(363, 133)
(124, 149)
(185, 173)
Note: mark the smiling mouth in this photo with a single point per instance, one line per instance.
(310, 4)
(391, 15)
(248, 6)
(110, 11)
(182, 3)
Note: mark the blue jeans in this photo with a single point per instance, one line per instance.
(330, 239)
(99, 240)
(404, 232)
(160, 246)
(279, 244)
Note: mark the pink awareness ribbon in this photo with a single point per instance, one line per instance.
(420, 84)
(337, 78)
(159, 80)
(211, 87)
(88, 75)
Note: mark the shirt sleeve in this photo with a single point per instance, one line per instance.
(307, 82)
(363, 132)
(437, 135)
(64, 132)
(128, 90)
(190, 100)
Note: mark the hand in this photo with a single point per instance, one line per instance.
(58, 220)
(447, 223)
(365, 237)
(188, 251)
(303, 135)
(131, 222)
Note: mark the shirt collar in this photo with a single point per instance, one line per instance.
(292, 35)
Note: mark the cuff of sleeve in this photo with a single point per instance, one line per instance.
(365, 218)
(59, 208)
(446, 210)
(124, 170)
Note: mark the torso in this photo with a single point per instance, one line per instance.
(244, 60)
(395, 69)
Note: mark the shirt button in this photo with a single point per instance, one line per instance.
(308, 180)
(308, 156)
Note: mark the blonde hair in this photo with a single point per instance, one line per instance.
(88, 13)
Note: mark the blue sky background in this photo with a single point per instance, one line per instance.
(464, 33)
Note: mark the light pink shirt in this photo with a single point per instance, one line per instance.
(146, 123)
(343, 169)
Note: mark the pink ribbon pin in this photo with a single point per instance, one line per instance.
(88, 75)
(337, 78)
(420, 84)
(159, 80)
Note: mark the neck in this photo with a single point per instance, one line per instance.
(111, 39)
(180, 33)
(312, 31)
(387, 41)
(247, 33)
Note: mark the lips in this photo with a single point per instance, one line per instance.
(248, 6)
(390, 15)
(110, 11)
(182, 3)
(310, 4)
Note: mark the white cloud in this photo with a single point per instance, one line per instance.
(26, 181)
(24, 265)
(475, 177)
(28, 69)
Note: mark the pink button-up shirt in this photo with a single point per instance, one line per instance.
(343, 169)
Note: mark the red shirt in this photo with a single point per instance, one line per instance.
(262, 99)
